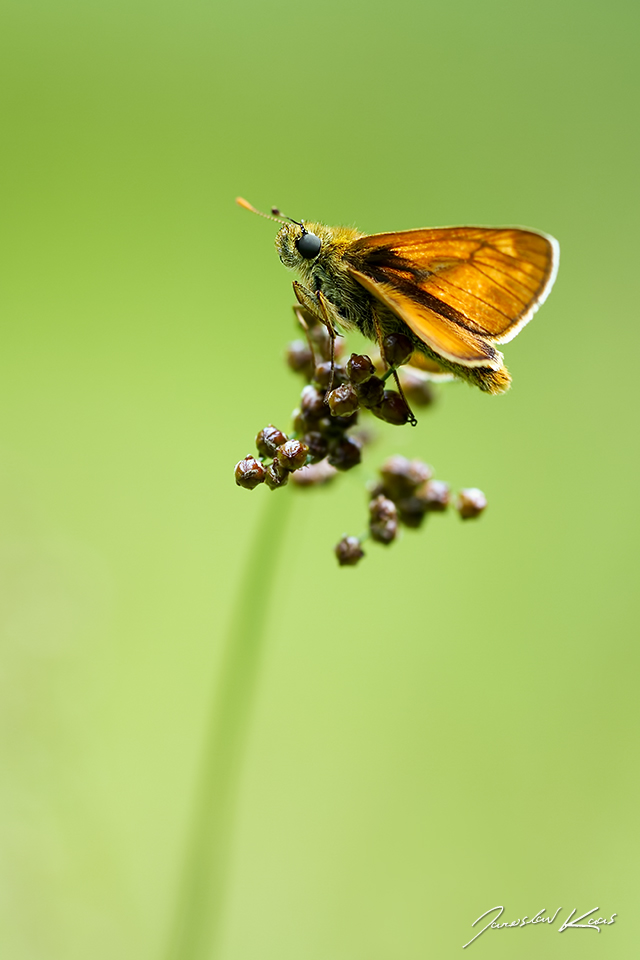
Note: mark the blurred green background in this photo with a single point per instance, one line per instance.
(452, 724)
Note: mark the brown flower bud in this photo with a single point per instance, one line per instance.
(318, 445)
(299, 357)
(360, 368)
(300, 422)
(276, 476)
(345, 453)
(333, 427)
(340, 424)
(401, 476)
(397, 349)
(419, 472)
(383, 520)
(381, 508)
(417, 388)
(470, 503)
(384, 532)
(348, 551)
(396, 476)
(292, 455)
(371, 392)
(312, 403)
(249, 472)
(435, 494)
(431, 496)
(314, 474)
(326, 426)
(343, 401)
(411, 511)
(322, 375)
(392, 408)
(269, 439)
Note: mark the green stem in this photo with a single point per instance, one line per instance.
(196, 931)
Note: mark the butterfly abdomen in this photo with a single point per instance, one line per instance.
(486, 379)
(490, 381)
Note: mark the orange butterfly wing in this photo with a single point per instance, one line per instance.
(448, 339)
(460, 289)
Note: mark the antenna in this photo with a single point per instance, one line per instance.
(247, 206)
(277, 217)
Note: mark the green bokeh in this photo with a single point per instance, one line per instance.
(452, 724)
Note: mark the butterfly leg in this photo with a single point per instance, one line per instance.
(303, 316)
(412, 417)
(392, 371)
(321, 308)
(325, 307)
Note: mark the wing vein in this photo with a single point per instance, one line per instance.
(475, 297)
(517, 260)
(501, 287)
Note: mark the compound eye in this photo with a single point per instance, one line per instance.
(309, 245)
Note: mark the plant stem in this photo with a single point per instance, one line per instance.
(196, 931)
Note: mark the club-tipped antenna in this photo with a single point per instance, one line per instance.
(276, 216)
(248, 206)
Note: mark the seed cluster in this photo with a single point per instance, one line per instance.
(326, 437)
(404, 495)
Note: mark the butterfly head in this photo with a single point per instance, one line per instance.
(299, 244)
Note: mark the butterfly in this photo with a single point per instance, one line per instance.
(456, 292)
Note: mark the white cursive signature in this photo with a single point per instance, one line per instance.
(591, 924)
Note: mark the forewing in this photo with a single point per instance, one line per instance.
(488, 281)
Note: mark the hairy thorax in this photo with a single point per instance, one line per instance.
(328, 273)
